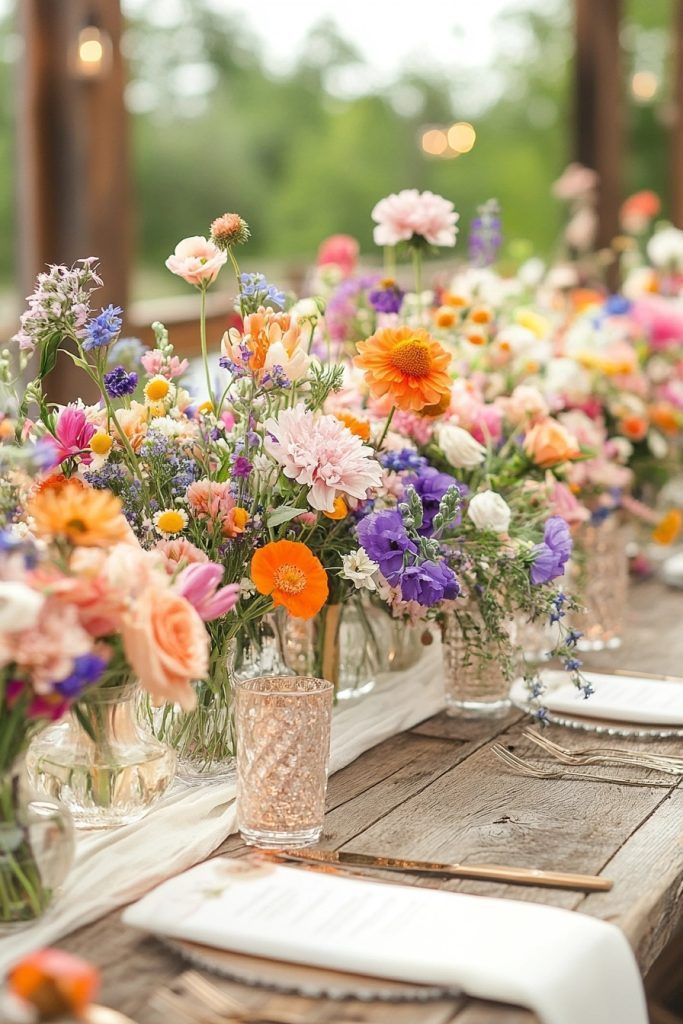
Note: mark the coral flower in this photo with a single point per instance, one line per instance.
(81, 515)
(548, 443)
(289, 573)
(406, 364)
(268, 340)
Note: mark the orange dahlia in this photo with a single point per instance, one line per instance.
(80, 515)
(406, 364)
(290, 573)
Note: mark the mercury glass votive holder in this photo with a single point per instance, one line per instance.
(283, 750)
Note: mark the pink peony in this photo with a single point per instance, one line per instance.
(401, 216)
(198, 584)
(197, 260)
(323, 455)
(340, 251)
(72, 435)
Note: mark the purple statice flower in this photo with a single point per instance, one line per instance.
(384, 537)
(406, 458)
(103, 329)
(431, 486)
(241, 466)
(119, 382)
(485, 235)
(428, 583)
(59, 306)
(552, 554)
(87, 669)
(387, 297)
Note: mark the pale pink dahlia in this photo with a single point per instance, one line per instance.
(323, 454)
(401, 216)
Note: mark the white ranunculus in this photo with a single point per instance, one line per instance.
(460, 448)
(19, 606)
(489, 511)
(665, 248)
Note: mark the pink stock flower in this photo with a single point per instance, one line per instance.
(157, 364)
(72, 435)
(197, 260)
(340, 251)
(198, 584)
(323, 455)
(409, 213)
(180, 553)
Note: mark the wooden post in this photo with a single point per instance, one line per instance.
(677, 133)
(73, 184)
(598, 110)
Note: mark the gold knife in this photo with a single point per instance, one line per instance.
(480, 872)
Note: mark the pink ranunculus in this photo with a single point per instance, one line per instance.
(526, 403)
(199, 584)
(323, 455)
(167, 646)
(100, 607)
(197, 260)
(402, 215)
(180, 552)
(210, 499)
(340, 251)
(661, 318)
(72, 435)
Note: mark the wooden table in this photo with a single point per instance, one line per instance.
(437, 792)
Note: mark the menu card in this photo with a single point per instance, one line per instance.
(565, 966)
(616, 698)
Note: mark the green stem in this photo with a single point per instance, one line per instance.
(386, 428)
(202, 335)
(417, 268)
(390, 261)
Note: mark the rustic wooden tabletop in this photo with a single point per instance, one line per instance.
(437, 792)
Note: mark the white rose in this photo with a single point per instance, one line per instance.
(19, 606)
(665, 248)
(460, 448)
(489, 511)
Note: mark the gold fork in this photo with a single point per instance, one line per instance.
(533, 771)
(607, 755)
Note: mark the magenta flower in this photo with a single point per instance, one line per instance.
(72, 435)
(198, 584)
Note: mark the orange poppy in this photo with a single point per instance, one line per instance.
(83, 516)
(361, 428)
(407, 364)
(665, 417)
(290, 573)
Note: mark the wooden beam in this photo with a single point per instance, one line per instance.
(677, 133)
(73, 183)
(598, 105)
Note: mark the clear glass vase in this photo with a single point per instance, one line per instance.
(601, 583)
(474, 679)
(36, 851)
(345, 643)
(111, 770)
(407, 644)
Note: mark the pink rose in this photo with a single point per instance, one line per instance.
(340, 251)
(167, 646)
(197, 260)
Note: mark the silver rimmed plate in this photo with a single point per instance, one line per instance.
(299, 979)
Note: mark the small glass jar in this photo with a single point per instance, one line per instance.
(283, 748)
(111, 770)
(36, 851)
(601, 583)
(475, 683)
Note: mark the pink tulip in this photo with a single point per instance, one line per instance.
(198, 584)
(72, 435)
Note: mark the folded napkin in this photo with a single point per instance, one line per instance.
(566, 967)
(116, 866)
(617, 698)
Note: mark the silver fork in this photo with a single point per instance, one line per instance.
(606, 755)
(522, 767)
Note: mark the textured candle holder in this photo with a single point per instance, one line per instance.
(283, 748)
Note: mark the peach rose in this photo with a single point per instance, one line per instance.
(167, 646)
(197, 260)
(549, 443)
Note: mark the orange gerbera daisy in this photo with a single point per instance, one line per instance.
(290, 573)
(81, 515)
(361, 428)
(406, 364)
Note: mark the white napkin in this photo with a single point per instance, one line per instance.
(567, 967)
(116, 866)
(617, 698)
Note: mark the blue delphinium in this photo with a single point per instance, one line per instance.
(120, 383)
(102, 329)
(405, 458)
(255, 291)
(485, 235)
(87, 669)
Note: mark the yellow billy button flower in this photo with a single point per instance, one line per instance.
(100, 443)
(340, 510)
(170, 521)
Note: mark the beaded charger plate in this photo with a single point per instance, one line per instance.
(590, 723)
(301, 980)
